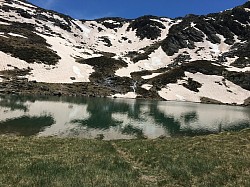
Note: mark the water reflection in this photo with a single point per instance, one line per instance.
(100, 114)
(25, 126)
(13, 102)
(115, 118)
(167, 121)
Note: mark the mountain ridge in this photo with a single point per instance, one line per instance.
(184, 59)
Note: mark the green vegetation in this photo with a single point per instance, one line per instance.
(214, 160)
(30, 48)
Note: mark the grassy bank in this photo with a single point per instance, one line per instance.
(214, 160)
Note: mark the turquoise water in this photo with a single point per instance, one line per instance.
(115, 118)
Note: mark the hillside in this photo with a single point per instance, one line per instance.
(194, 58)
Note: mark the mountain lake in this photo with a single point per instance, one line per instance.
(107, 118)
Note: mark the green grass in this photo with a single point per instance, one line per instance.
(214, 160)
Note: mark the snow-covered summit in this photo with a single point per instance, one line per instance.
(124, 55)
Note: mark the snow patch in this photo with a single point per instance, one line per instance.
(193, 24)
(206, 50)
(17, 35)
(247, 9)
(67, 67)
(180, 98)
(27, 5)
(116, 37)
(22, 6)
(214, 87)
(62, 72)
(157, 59)
(60, 19)
(238, 69)
(77, 71)
(147, 86)
(230, 60)
(2, 35)
(86, 30)
(151, 76)
(216, 64)
(176, 92)
(4, 23)
(8, 62)
(112, 22)
(130, 95)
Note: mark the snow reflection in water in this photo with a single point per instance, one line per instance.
(115, 118)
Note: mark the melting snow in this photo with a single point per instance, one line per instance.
(212, 87)
(2, 35)
(131, 95)
(230, 60)
(27, 5)
(151, 76)
(193, 24)
(60, 73)
(23, 6)
(86, 30)
(66, 68)
(85, 45)
(17, 35)
(238, 69)
(4, 23)
(112, 21)
(147, 86)
(157, 59)
(247, 9)
(8, 62)
(77, 71)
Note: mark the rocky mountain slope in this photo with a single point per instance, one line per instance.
(194, 58)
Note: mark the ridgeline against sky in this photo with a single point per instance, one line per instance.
(92, 9)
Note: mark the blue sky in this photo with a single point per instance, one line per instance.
(92, 9)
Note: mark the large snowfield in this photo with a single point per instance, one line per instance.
(86, 41)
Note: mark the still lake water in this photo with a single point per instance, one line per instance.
(115, 118)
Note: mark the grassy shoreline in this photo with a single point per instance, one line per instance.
(213, 160)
